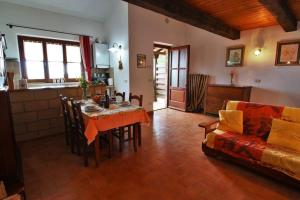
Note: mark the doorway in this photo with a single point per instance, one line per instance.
(160, 76)
(179, 71)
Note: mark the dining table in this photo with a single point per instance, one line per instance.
(100, 120)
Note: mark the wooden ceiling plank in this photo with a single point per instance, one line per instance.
(284, 16)
(184, 12)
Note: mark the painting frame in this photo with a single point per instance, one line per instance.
(141, 60)
(288, 53)
(235, 56)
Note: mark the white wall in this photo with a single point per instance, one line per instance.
(26, 16)
(138, 29)
(279, 85)
(116, 31)
(145, 28)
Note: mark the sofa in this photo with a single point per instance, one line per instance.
(251, 149)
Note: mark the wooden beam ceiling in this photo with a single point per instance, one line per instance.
(284, 16)
(184, 12)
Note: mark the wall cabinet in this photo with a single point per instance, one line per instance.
(101, 55)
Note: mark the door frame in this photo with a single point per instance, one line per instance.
(168, 67)
(187, 75)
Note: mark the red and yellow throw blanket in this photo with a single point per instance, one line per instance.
(252, 145)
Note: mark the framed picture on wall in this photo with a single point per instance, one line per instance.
(141, 61)
(288, 53)
(235, 56)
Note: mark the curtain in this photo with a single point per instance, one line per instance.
(85, 48)
(196, 92)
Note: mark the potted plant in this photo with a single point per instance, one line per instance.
(84, 84)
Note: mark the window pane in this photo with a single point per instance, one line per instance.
(74, 70)
(73, 54)
(182, 78)
(56, 70)
(174, 61)
(35, 70)
(33, 51)
(174, 78)
(55, 52)
(183, 58)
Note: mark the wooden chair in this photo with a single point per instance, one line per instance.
(79, 130)
(68, 123)
(122, 95)
(139, 99)
(81, 141)
(120, 133)
(67, 120)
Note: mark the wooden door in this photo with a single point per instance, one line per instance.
(178, 73)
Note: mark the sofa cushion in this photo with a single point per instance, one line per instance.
(291, 114)
(255, 150)
(231, 120)
(257, 117)
(247, 147)
(285, 134)
(282, 159)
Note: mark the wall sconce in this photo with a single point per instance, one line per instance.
(116, 48)
(257, 52)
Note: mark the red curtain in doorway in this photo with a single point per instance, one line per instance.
(85, 48)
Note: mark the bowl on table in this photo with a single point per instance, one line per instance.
(97, 99)
(92, 108)
(124, 103)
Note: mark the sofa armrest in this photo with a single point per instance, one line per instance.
(208, 125)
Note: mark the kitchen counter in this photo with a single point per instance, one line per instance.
(32, 87)
(36, 111)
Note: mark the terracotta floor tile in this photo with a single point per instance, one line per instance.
(169, 165)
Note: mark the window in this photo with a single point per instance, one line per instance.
(46, 59)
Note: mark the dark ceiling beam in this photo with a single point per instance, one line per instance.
(181, 11)
(284, 16)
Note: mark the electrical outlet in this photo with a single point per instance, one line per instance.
(257, 81)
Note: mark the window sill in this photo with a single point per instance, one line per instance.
(52, 85)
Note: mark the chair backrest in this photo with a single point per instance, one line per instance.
(122, 95)
(136, 97)
(65, 110)
(78, 118)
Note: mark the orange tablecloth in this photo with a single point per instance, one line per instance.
(108, 122)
